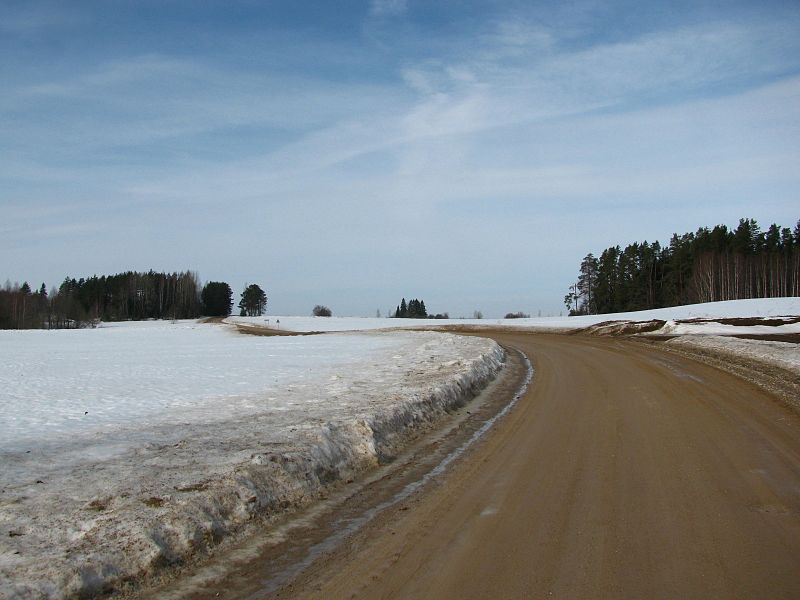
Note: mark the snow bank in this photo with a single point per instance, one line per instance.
(177, 460)
(714, 328)
(763, 307)
(780, 354)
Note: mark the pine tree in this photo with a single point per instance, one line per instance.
(217, 299)
(253, 302)
(586, 284)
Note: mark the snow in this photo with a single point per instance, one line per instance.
(191, 431)
(153, 373)
(760, 307)
(711, 327)
(780, 354)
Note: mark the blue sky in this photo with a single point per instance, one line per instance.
(351, 153)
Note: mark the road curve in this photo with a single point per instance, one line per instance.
(624, 472)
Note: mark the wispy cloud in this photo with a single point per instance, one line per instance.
(438, 145)
(33, 17)
(388, 8)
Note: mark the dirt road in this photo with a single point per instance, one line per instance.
(623, 473)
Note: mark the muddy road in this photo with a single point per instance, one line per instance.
(624, 472)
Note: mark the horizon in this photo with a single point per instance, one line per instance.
(466, 154)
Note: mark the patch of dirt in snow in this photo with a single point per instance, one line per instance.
(747, 321)
(623, 327)
(94, 525)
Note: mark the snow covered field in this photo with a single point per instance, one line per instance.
(66, 383)
(132, 445)
(768, 307)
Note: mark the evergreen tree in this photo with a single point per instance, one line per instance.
(253, 302)
(216, 299)
(705, 266)
(586, 284)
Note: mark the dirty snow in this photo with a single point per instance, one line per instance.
(191, 431)
(779, 354)
(711, 327)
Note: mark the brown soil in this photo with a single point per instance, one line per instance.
(624, 472)
(270, 332)
(747, 321)
(619, 328)
(789, 338)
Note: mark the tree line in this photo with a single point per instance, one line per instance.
(414, 309)
(709, 265)
(125, 296)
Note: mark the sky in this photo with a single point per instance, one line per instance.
(347, 153)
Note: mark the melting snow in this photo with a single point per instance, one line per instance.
(129, 446)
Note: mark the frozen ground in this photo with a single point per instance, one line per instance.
(127, 447)
(769, 307)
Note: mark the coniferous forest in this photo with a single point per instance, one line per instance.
(707, 266)
(121, 297)
(129, 296)
(415, 309)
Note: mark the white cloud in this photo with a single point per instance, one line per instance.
(480, 149)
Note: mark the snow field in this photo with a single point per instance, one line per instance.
(178, 459)
(154, 373)
(759, 307)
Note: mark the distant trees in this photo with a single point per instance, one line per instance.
(415, 309)
(477, 314)
(706, 266)
(20, 308)
(321, 311)
(124, 296)
(517, 315)
(253, 302)
(216, 299)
